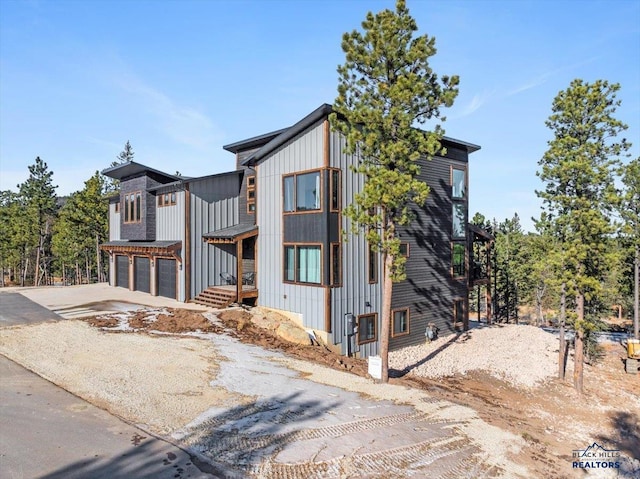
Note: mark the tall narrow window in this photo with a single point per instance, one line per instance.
(335, 190)
(458, 259)
(117, 205)
(336, 264)
(287, 185)
(373, 265)
(367, 328)
(138, 212)
(458, 184)
(459, 220)
(290, 263)
(133, 207)
(251, 194)
(458, 313)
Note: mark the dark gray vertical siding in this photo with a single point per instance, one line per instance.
(429, 290)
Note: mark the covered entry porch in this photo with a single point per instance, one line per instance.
(239, 285)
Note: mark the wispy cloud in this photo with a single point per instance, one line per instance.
(543, 78)
(478, 100)
(184, 124)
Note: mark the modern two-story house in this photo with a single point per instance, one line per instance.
(271, 233)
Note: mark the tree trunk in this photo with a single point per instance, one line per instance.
(636, 294)
(578, 366)
(385, 324)
(563, 344)
(98, 272)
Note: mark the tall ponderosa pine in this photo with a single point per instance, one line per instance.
(386, 86)
(579, 193)
(125, 155)
(630, 212)
(38, 195)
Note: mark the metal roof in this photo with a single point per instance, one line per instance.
(131, 168)
(231, 233)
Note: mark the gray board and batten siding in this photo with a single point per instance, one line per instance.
(302, 152)
(214, 206)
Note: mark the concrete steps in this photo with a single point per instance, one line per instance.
(215, 297)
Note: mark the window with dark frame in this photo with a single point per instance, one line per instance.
(367, 331)
(459, 198)
(302, 192)
(400, 318)
(404, 249)
(458, 183)
(458, 259)
(336, 264)
(336, 189)
(302, 264)
(251, 194)
(458, 313)
(372, 265)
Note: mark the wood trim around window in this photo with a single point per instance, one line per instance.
(393, 312)
(408, 253)
(332, 255)
(372, 273)
(338, 208)
(295, 263)
(375, 328)
(251, 188)
(130, 213)
(167, 199)
(295, 174)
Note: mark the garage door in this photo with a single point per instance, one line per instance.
(142, 274)
(166, 277)
(122, 271)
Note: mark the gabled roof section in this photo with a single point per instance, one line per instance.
(254, 142)
(131, 168)
(319, 113)
(289, 133)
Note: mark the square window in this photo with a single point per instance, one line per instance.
(367, 328)
(404, 249)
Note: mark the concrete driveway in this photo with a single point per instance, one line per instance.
(295, 419)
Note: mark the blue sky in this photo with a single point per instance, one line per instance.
(179, 79)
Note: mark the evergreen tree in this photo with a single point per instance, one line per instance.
(39, 200)
(630, 213)
(386, 85)
(125, 155)
(579, 193)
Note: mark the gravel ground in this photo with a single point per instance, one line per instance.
(524, 356)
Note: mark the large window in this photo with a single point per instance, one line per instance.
(302, 264)
(301, 192)
(133, 207)
(367, 328)
(458, 184)
(400, 322)
(458, 259)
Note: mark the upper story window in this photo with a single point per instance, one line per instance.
(458, 184)
(372, 264)
(302, 264)
(459, 220)
(251, 194)
(167, 199)
(301, 192)
(133, 207)
(335, 189)
(458, 259)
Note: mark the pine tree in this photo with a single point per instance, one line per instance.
(39, 200)
(386, 85)
(579, 193)
(125, 155)
(630, 213)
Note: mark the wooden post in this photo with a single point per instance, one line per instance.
(239, 270)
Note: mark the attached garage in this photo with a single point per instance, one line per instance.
(142, 274)
(122, 271)
(166, 277)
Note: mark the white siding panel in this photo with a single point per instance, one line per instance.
(170, 220)
(304, 152)
(114, 223)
